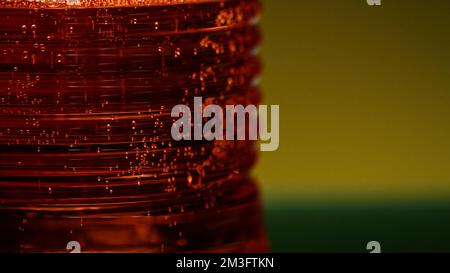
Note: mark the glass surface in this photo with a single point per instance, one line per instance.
(86, 91)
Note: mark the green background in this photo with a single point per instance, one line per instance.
(364, 95)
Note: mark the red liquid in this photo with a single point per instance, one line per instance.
(85, 147)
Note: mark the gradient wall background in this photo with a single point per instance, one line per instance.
(364, 95)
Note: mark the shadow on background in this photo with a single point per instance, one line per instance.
(348, 227)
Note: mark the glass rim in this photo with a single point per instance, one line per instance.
(66, 4)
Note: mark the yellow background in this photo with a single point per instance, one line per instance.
(364, 95)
